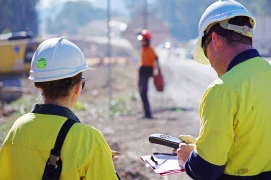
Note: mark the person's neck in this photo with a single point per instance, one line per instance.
(229, 54)
(60, 102)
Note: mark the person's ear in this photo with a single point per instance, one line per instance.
(216, 40)
(77, 88)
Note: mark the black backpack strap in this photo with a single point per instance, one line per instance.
(62, 134)
(118, 176)
(53, 165)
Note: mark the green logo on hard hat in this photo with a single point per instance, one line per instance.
(41, 63)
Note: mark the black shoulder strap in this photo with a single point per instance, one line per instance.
(53, 165)
(62, 134)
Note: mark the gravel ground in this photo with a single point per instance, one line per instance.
(174, 110)
(128, 133)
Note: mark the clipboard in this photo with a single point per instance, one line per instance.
(163, 164)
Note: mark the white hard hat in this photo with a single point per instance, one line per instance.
(57, 58)
(219, 12)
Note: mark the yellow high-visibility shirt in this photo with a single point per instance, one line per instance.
(85, 154)
(235, 128)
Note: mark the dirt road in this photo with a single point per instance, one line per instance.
(175, 111)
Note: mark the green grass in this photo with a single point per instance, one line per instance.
(79, 106)
(119, 106)
(4, 129)
(22, 103)
(26, 104)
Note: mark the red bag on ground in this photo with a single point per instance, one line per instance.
(159, 81)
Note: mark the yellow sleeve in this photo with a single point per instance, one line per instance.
(100, 165)
(217, 111)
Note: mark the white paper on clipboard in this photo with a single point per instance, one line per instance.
(163, 164)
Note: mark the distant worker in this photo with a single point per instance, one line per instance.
(50, 141)
(234, 139)
(147, 64)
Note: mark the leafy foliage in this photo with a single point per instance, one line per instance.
(18, 15)
(182, 16)
(74, 14)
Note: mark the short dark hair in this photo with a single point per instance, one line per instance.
(232, 37)
(147, 41)
(58, 88)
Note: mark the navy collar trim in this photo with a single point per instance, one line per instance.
(243, 56)
(53, 109)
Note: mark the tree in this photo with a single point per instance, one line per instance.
(18, 15)
(182, 16)
(257, 7)
(72, 16)
(134, 7)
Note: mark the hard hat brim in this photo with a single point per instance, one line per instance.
(52, 75)
(199, 55)
(215, 13)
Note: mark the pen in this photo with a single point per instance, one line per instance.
(167, 154)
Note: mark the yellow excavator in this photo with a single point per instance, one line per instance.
(16, 51)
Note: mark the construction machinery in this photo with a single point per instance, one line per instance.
(16, 51)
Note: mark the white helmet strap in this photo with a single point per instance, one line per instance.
(245, 30)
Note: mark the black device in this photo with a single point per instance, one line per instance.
(165, 140)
